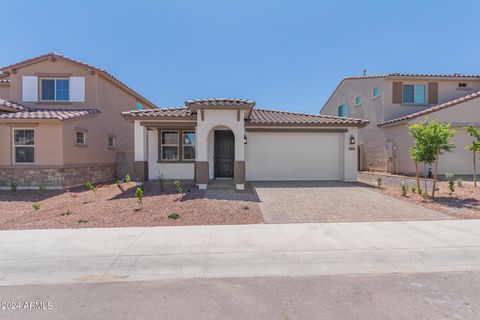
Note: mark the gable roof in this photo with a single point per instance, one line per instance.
(257, 117)
(219, 102)
(100, 71)
(11, 106)
(48, 114)
(438, 107)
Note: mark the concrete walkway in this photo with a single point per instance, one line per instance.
(80, 255)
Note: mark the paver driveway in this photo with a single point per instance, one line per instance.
(332, 201)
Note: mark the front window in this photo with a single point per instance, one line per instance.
(80, 137)
(170, 145)
(342, 110)
(414, 94)
(24, 145)
(376, 92)
(111, 141)
(188, 145)
(55, 89)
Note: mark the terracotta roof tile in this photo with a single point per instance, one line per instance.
(267, 116)
(438, 107)
(4, 80)
(420, 75)
(45, 114)
(166, 112)
(6, 105)
(84, 64)
(219, 102)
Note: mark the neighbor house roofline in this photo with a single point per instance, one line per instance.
(429, 76)
(100, 71)
(438, 107)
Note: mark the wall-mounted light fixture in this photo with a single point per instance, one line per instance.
(352, 139)
(244, 139)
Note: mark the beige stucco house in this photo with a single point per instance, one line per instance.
(61, 123)
(393, 101)
(232, 139)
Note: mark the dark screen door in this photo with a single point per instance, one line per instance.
(224, 150)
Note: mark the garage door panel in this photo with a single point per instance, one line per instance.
(293, 156)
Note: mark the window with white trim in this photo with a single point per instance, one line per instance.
(188, 145)
(53, 89)
(24, 146)
(80, 138)
(414, 94)
(170, 145)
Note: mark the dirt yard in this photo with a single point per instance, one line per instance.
(464, 203)
(108, 206)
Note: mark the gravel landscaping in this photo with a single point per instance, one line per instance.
(108, 206)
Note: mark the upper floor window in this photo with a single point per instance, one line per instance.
(55, 89)
(24, 146)
(358, 100)
(376, 92)
(80, 138)
(343, 110)
(414, 94)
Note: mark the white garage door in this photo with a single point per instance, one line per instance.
(293, 156)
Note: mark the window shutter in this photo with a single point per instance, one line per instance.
(432, 92)
(77, 89)
(397, 92)
(30, 88)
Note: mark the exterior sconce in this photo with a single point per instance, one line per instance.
(352, 139)
(244, 139)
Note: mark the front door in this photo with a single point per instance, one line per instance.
(224, 154)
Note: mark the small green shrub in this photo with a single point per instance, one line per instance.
(174, 216)
(451, 187)
(41, 190)
(178, 186)
(424, 195)
(413, 188)
(379, 181)
(82, 221)
(36, 206)
(139, 196)
(120, 185)
(66, 213)
(460, 182)
(244, 207)
(449, 176)
(403, 189)
(420, 191)
(89, 185)
(128, 179)
(13, 188)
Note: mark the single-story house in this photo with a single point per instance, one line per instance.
(231, 139)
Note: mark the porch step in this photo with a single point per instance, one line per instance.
(221, 184)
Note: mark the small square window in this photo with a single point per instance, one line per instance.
(111, 141)
(343, 111)
(462, 85)
(376, 92)
(80, 137)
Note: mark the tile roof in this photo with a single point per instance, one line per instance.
(4, 80)
(257, 117)
(438, 107)
(165, 112)
(84, 64)
(420, 75)
(47, 114)
(267, 116)
(11, 106)
(219, 102)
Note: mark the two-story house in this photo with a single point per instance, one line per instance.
(61, 123)
(393, 101)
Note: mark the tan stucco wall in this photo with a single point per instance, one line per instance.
(48, 138)
(4, 92)
(459, 161)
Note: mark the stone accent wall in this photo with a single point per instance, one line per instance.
(56, 177)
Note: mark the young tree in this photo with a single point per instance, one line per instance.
(432, 139)
(474, 147)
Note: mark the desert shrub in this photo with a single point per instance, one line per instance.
(178, 186)
(451, 187)
(424, 195)
(174, 216)
(413, 188)
(128, 179)
(379, 181)
(36, 206)
(244, 207)
(449, 176)
(403, 188)
(89, 185)
(120, 185)
(139, 196)
(82, 221)
(66, 213)
(460, 182)
(13, 187)
(41, 189)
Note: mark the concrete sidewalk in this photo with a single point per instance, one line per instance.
(63, 256)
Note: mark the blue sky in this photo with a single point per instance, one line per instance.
(283, 54)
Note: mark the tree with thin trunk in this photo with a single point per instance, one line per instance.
(474, 147)
(432, 139)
